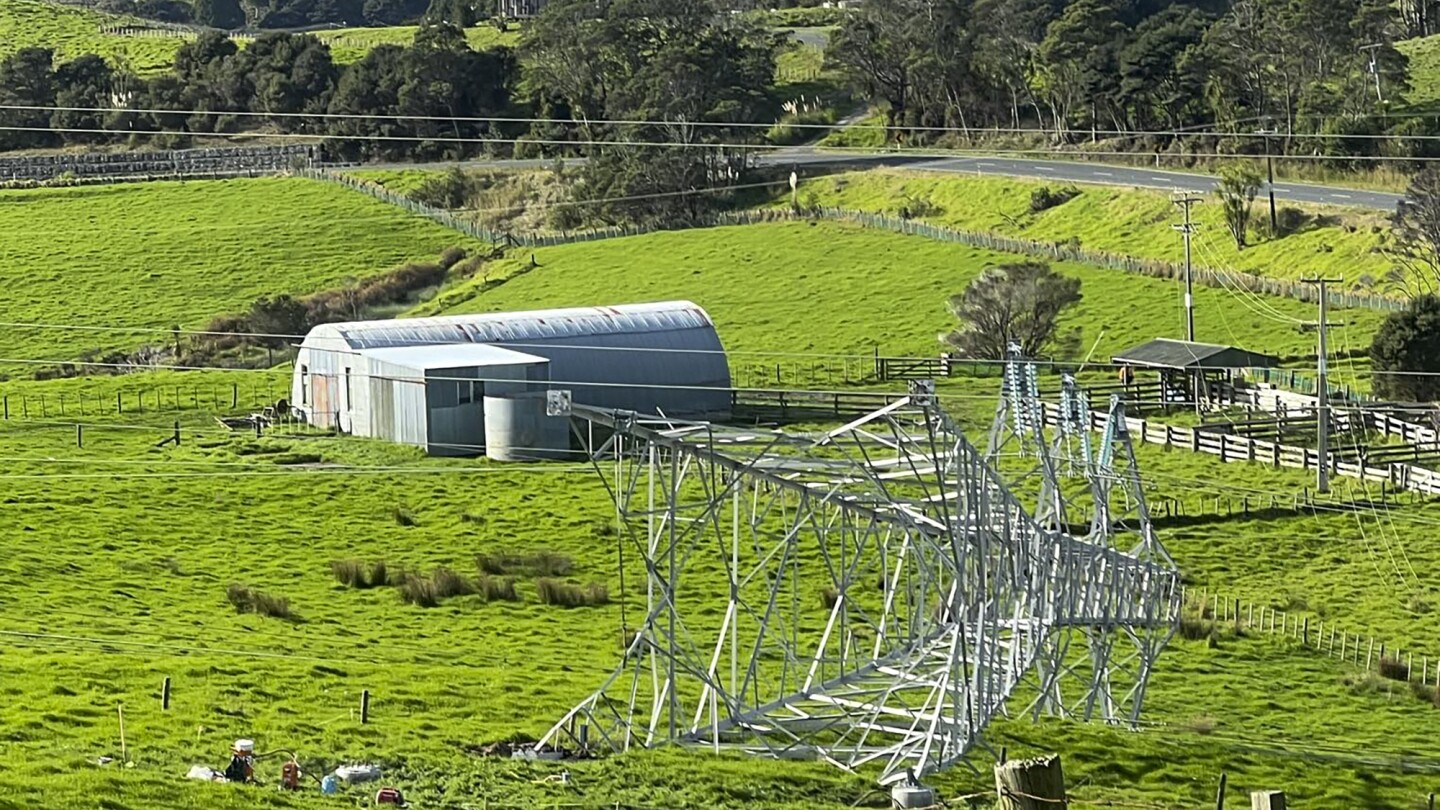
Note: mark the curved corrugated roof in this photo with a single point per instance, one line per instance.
(653, 358)
(513, 327)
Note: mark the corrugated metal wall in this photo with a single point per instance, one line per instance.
(649, 358)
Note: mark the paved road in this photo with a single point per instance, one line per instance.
(1057, 170)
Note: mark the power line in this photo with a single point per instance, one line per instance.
(681, 123)
(781, 150)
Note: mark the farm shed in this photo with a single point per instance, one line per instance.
(650, 358)
(437, 397)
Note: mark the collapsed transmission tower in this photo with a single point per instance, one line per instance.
(871, 596)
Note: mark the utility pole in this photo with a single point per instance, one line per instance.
(1375, 68)
(1322, 447)
(1270, 181)
(1185, 199)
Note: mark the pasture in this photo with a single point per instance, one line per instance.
(123, 553)
(158, 255)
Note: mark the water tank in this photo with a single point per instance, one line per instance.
(517, 429)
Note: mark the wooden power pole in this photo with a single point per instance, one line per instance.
(1322, 482)
(1030, 784)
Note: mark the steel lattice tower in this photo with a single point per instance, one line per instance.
(884, 592)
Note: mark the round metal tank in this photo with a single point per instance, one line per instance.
(517, 429)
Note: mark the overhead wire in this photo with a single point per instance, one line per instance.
(936, 153)
(701, 124)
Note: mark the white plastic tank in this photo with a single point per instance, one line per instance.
(517, 428)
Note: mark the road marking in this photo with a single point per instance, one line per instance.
(1341, 196)
(1162, 180)
(1103, 174)
(1044, 168)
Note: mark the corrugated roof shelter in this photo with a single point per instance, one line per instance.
(660, 358)
(1164, 353)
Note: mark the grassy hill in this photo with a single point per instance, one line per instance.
(1424, 55)
(838, 288)
(1129, 221)
(72, 32)
(161, 254)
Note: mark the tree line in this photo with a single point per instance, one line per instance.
(278, 84)
(1081, 69)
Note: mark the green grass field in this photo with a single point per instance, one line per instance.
(73, 32)
(1424, 55)
(350, 44)
(123, 551)
(162, 254)
(751, 279)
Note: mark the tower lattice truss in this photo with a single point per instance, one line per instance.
(874, 595)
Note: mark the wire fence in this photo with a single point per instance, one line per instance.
(1363, 650)
(142, 399)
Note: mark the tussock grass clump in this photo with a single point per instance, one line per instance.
(246, 600)
(350, 573)
(404, 517)
(497, 589)
(356, 574)
(1394, 669)
(829, 597)
(419, 591)
(1194, 628)
(537, 564)
(447, 583)
(570, 595)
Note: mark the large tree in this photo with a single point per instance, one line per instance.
(1018, 304)
(673, 73)
(27, 79)
(1406, 353)
(1415, 226)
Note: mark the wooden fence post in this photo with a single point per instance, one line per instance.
(1031, 784)
(1267, 800)
(1305, 633)
(1220, 793)
(364, 706)
(165, 694)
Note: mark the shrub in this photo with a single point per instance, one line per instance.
(570, 595)
(447, 583)
(419, 591)
(829, 597)
(404, 517)
(1394, 669)
(1043, 199)
(451, 256)
(246, 600)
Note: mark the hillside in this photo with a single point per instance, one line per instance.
(862, 290)
(161, 254)
(1347, 243)
(72, 31)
